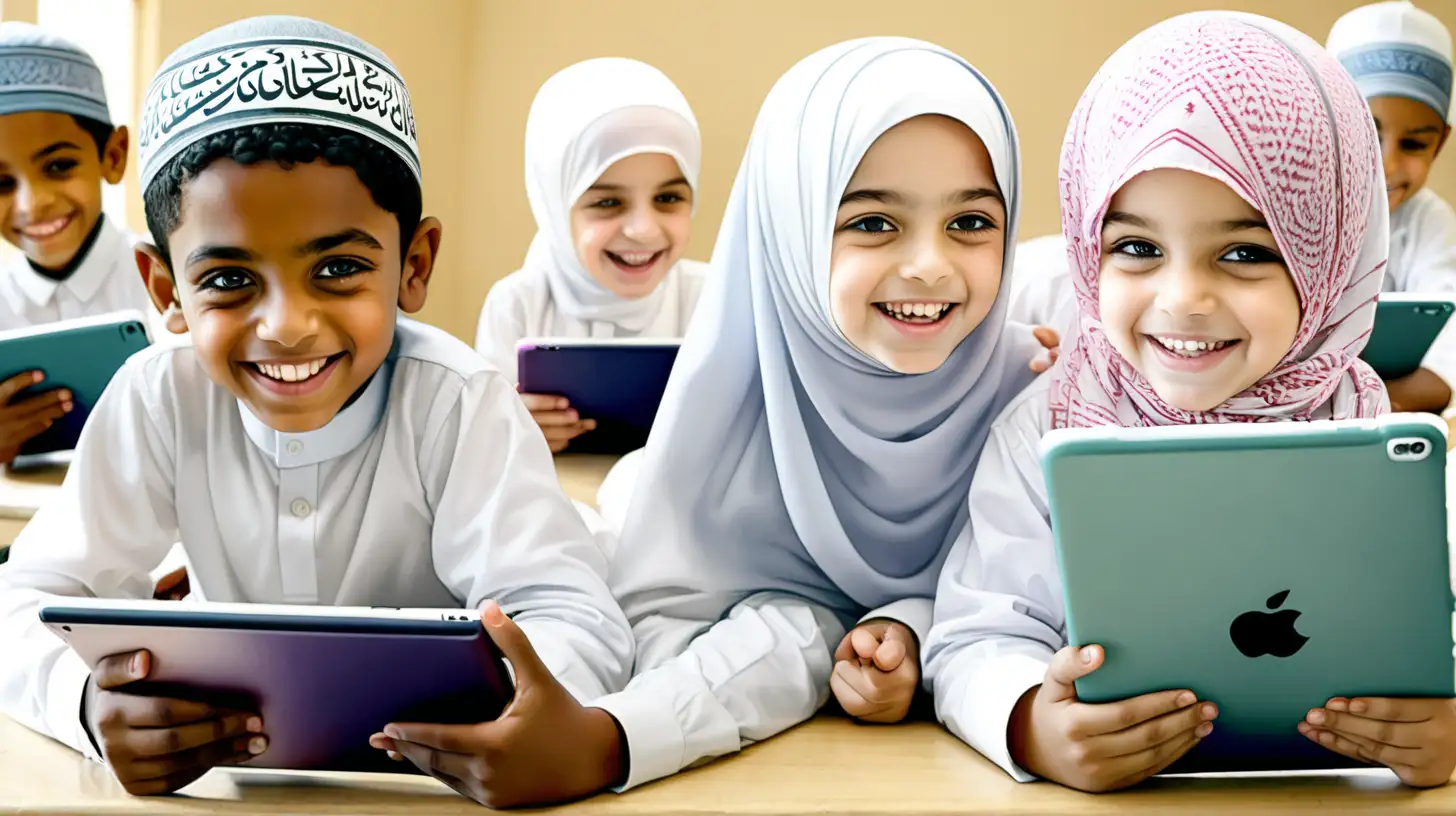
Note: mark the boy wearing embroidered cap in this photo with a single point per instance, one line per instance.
(57, 147)
(1401, 59)
(308, 445)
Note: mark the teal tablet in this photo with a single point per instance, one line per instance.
(1405, 327)
(1266, 567)
(80, 355)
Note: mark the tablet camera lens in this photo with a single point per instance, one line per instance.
(1418, 448)
(1402, 449)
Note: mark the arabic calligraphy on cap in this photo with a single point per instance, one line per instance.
(275, 81)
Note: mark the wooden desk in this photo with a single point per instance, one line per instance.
(581, 475)
(824, 767)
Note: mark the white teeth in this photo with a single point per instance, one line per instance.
(1191, 346)
(45, 229)
(290, 372)
(930, 311)
(635, 258)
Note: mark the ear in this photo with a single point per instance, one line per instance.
(157, 277)
(113, 156)
(419, 263)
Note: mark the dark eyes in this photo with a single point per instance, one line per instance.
(1137, 249)
(60, 167)
(875, 224)
(226, 280)
(1241, 254)
(232, 280)
(1251, 254)
(1414, 145)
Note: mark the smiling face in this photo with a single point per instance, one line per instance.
(918, 244)
(631, 226)
(1193, 291)
(50, 183)
(1411, 136)
(289, 282)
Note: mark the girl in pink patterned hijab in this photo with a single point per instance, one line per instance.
(1224, 207)
(1221, 199)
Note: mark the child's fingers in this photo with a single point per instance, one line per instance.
(865, 643)
(845, 651)
(544, 402)
(850, 698)
(890, 655)
(554, 419)
(1337, 743)
(1390, 709)
(114, 671)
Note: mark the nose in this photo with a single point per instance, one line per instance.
(31, 200)
(641, 226)
(289, 319)
(1184, 290)
(928, 262)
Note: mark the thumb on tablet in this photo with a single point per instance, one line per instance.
(514, 645)
(114, 671)
(1067, 665)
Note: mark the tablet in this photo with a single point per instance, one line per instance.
(1266, 567)
(617, 382)
(1405, 327)
(80, 355)
(324, 678)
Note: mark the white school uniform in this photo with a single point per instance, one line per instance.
(433, 489)
(1041, 285)
(586, 118)
(794, 485)
(1423, 260)
(520, 306)
(105, 281)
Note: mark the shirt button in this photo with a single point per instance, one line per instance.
(294, 447)
(301, 508)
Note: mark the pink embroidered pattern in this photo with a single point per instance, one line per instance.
(1282, 124)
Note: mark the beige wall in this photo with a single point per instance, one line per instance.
(474, 65)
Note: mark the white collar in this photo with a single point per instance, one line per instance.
(87, 278)
(345, 432)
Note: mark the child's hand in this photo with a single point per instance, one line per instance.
(174, 586)
(157, 745)
(1050, 341)
(876, 670)
(545, 748)
(1416, 738)
(23, 421)
(1101, 747)
(558, 421)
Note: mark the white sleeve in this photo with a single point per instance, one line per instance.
(707, 689)
(998, 607)
(1433, 272)
(500, 328)
(112, 522)
(504, 530)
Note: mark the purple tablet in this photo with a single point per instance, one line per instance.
(617, 382)
(323, 679)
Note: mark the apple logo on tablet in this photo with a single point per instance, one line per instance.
(1257, 633)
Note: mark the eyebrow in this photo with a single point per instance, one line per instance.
(1421, 131)
(1232, 225)
(614, 188)
(892, 197)
(54, 148)
(1120, 217)
(216, 252)
(325, 243)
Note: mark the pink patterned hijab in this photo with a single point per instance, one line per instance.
(1254, 104)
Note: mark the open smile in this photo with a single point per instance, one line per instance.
(294, 377)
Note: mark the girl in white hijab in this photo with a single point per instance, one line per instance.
(612, 156)
(812, 456)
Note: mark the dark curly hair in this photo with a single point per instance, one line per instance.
(100, 132)
(390, 182)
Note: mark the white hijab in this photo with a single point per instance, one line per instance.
(782, 457)
(585, 119)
